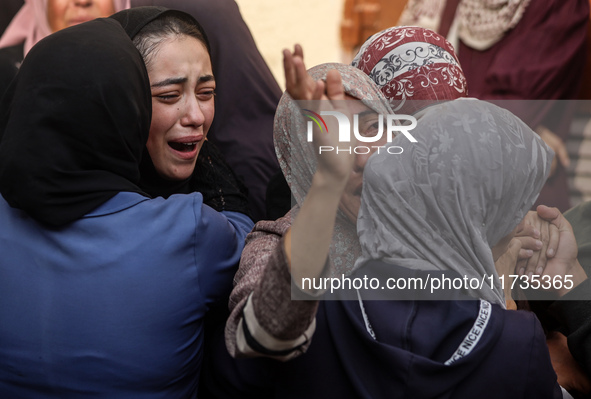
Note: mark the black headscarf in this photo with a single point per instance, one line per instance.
(212, 176)
(246, 96)
(74, 123)
(133, 21)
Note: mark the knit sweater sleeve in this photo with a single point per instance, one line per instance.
(264, 320)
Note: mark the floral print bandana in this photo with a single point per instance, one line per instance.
(413, 67)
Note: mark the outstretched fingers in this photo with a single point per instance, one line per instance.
(298, 83)
(334, 85)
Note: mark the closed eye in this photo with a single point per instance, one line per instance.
(167, 98)
(206, 95)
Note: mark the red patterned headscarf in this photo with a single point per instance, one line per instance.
(413, 67)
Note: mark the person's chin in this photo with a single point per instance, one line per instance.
(182, 175)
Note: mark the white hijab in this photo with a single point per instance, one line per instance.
(298, 161)
(446, 200)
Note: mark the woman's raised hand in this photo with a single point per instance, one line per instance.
(318, 96)
(307, 242)
(298, 83)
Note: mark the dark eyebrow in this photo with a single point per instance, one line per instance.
(176, 81)
(169, 81)
(205, 78)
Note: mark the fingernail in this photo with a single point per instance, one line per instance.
(551, 252)
(529, 252)
(539, 244)
(536, 233)
(539, 270)
(521, 271)
(529, 274)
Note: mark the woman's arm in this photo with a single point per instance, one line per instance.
(265, 321)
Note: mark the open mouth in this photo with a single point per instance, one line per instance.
(182, 147)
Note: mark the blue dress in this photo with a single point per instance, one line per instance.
(113, 304)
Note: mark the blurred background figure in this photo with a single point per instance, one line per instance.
(37, 19)
(579, 142)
